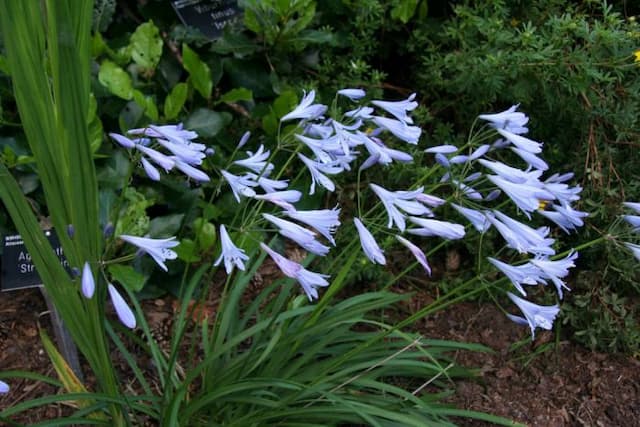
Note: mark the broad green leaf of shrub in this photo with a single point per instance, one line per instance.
(165, 226)
(199, 72)
(146, 45)
(147, 104)
(404, 10)
(207, 123)
(187, 251)
(238, 94)
(205, 233)
(174, 102)
(127, 276)
(116, 80)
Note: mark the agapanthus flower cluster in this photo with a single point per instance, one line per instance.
(167, 147)
(634, 222)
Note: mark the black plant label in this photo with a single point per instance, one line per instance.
(209, 16)
(18, 271)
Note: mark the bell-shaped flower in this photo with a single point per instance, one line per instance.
(190, 171)
(633, 205)
(526, 197)
(442, 149)
(162, 160)
(124, 312)
(325, 221)
(521, 142)
(430, 200)
(399, 109)
(417, 253)
(633, 220)
(318, 171)
(88, 284)
(271, 185)
(309, 280)
(122, 140)
(192, 153)
(284, 199)
(536, 316)
(393, 201)
(563, 193)
(360, 113)
(352, 94)
(303, 237)
(257, 161)
(533, 241)
(433, 227)
(383, 154)
(150, 170)
(369, 245)
(4, 387)
(531, 159)
(514, 175)
(442, 160)
(467, 190)
(476, 218)
(510, 120)
(635, 249)
(401, 130)
(306, 110)
(567, 218)
(323, 149)
(158, 249)
(556, 270)
(527, 274)
(231, 254)
(174, 133)
(240, 185)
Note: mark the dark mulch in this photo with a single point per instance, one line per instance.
(539, 384)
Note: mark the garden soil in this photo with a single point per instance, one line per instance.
(540, 383)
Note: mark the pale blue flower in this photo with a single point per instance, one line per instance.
(4, 387)
(318, 171)
(303, 237)
(124, 312)
(244, 139)
(401, 130)
(257, 161)
(476, 218)
(434, 227)
(561, 192)
(158, 249)
(323, 149)
(527, 274)
(521, 237)
(493, 195)
(393, 201)
(635, 249)
(122, 140)
(511, 174)
(531, 159)
(417, 253)
(430, 200)
(536, 316)
(510, 120)
(633, 220)
(382, 154)
(309, 280)
(352, 94)
(325, 221)
(270, 185)
(360, 113)
(476, 154)
(369, 244)
(240, 185)
(442, 160)
(175, 133)
(281, 198)
(442, 149)
(567, 218)
(399, 109)
(467, 190)
(190, 171)
(521, 142)
(150, 170)
(556, 270)
(232, 255)
(88, 284)
(192, 154)
(306, 110)
(633, 205)
(162, 160)
(526, 197)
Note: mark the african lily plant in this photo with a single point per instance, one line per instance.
(296, 354)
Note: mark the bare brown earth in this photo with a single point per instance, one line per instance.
(543, 383)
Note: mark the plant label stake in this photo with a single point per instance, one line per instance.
(209, 16)
(18, 272)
